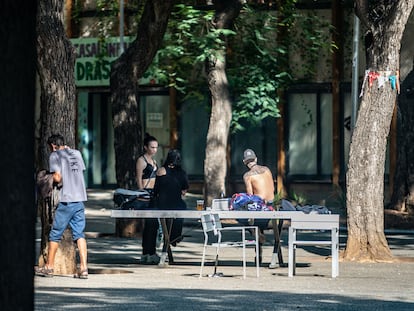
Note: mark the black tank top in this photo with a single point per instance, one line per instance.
(149, 171)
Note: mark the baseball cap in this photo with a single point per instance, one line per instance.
(248, 155)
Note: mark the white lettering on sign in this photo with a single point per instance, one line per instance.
(94, 58)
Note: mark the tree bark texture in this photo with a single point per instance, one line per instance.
(125, 75)
(17, 99)
(66, 252)
(402, 198)
(365, 176)
(56, 63)
(215, 164)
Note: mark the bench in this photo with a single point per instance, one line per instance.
(314, 222)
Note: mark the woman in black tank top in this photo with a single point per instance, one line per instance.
(146, 169)
(146, 166)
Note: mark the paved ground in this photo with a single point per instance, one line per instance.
(118, 282)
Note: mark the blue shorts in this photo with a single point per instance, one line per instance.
(72, 214)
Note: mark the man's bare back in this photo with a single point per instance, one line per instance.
(259, 181)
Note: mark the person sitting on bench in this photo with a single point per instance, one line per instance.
(258, 180)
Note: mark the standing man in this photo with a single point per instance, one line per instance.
(258, 180)
(67, 167)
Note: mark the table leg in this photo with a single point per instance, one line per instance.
(277, 251)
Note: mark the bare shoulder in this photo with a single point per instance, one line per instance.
(256, 170)
(140, 160)
(264, 168)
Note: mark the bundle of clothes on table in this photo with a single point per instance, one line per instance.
(244, 201)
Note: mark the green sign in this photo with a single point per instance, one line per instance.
(94, 58)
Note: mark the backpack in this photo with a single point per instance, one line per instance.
(247, 202)
(129, 199)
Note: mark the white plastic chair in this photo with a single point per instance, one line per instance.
(212, 226)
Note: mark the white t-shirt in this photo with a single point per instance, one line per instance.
(69, 163)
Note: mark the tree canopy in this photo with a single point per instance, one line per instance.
(254, 57)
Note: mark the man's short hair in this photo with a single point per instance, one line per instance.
(248, 156)
(56, 139)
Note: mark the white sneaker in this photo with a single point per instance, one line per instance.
(163, 260)
(274, 262)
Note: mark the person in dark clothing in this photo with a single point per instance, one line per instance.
(146, 168)
(170, 187)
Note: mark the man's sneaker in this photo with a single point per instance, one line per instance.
(163, 260)
(45, 272)
(153, 260)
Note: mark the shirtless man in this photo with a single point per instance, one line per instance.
(258, 180)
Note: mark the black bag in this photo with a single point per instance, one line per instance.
(128, 199)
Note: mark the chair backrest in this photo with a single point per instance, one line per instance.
(220, 204)
(211, 222)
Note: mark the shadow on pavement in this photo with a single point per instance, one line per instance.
(196, 299)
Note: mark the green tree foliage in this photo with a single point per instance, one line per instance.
(257, 63)
(188, 42)
(253, 68)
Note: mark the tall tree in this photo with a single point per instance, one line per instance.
(125, 74)
(17, 101)
(55, 66)
(385, 22)
(215, 165)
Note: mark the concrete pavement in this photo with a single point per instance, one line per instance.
(118, 282)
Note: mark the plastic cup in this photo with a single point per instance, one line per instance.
(200, 205)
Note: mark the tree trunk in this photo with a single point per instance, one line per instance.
(66, 253)
(17, 100)
(215, 164)
(365, 176)
(337, 76)
(402, 198)
(125, 75)
(282, 39)
(56, 63)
